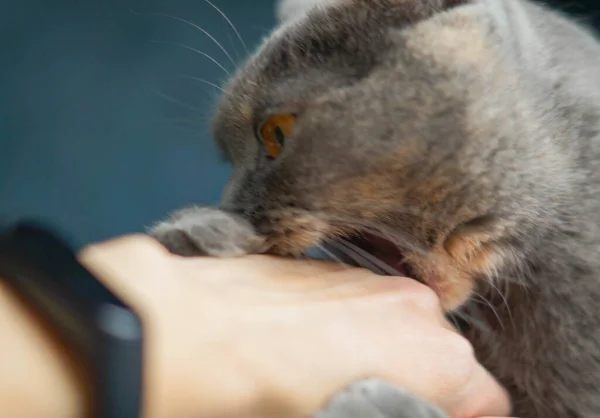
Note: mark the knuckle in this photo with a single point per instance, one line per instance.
(425, 297)
(461, 361)
(460, 346)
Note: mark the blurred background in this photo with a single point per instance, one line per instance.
(104, 120)
(105, 106)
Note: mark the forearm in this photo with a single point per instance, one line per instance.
(38, 376)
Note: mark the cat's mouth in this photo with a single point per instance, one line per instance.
(366, 250)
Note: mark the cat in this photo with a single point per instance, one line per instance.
(453, 141)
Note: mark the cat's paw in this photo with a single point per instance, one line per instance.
(374, 398)
(200, 231)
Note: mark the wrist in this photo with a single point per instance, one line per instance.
(38, 375)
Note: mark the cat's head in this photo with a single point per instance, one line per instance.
(396, 126)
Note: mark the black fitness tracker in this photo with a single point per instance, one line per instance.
(87, 316)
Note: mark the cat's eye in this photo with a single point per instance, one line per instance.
(274, 131)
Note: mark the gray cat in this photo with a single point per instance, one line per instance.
(456, 142)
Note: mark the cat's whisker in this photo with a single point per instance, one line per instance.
(369, 263)
(504, 300)
(212, 38)
(230, 24)
(182, 121)
(490, 305)
(179, 102)
(232, 44)
(332, 256)
(390, 235)
(516, 279)
(470, 320)
(369, 258)
(377, 230)
(472, 313)
(204, 54)
(201, 80)
(343, 250)
(512, 279)
(452, 318)
(190, 133)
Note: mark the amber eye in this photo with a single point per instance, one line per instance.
(274, 131)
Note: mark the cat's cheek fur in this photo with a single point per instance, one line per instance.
(470, 253)
(439, 271)
(454, 268)
(292, 232)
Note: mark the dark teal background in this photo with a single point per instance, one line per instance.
(99, 133)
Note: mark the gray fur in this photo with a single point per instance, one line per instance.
(466, 130)
(377, 399)
(207, 231)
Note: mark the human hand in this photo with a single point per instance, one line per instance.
(263, 336)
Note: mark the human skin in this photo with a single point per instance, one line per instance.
(255, 336)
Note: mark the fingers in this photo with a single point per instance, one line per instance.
(131, 266)
(483, 396)
(30, 347)
(465, 388)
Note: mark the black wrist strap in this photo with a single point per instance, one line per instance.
(86, 315)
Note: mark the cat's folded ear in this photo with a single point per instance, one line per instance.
(288, 10)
